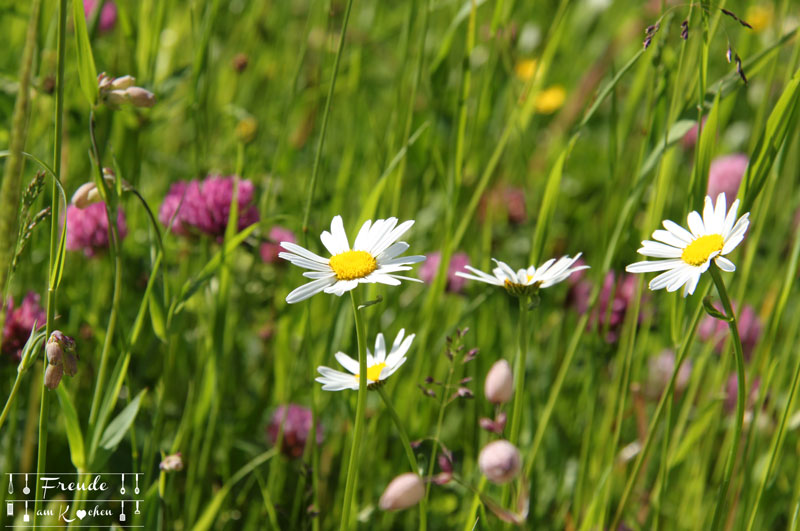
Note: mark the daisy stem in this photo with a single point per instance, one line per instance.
(361, 406)
(737, 350)
(657, 414)
(412, 460)
(519, 377)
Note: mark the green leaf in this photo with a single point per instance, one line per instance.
(708, 306)
(157, 316)
(74, 435)
(371, 204)
(210, 269)
(694, 434)
(705, 150)
(116, 430)
(210, 514)
(548, 207)
(87, 72)
(447, 39)
(781, 121)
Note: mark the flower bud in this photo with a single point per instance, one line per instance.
(140, 97)
(499, 384)
(84, 195)
(52, 376)
(116, 97)
(122, 83)
(500, 461)
(70, 364)
(172, 463)
(404, 491)
(55, 354)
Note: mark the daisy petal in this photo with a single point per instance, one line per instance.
(725, 264)
(307, 290)
(347, 362)
(656, 265)
(678, 231)
(696, 224)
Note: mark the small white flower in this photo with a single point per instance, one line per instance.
(688, 254)
(526, 280)
(379, 367)
(374, 258)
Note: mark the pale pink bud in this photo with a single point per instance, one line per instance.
(52, 376)
(140, 97)
(500, 461)
(172, 463)
(404, 491)
(55, 354)
(117, 97)
(84, 195)
(121, 83)
(70, 363)
(499, 384)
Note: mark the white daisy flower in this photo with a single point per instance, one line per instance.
(379, 367)
(688, 254)
(374, 257)
(526, 280)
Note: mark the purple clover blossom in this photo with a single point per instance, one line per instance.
(271, 248)
(659, 372)
(725, 176)
(690, 138)
(455, 284)
(609, 312)
(204, 206)
(19, 322)
(716, 330)
(87, 228)
(504, 202)
(108, 15)
(296, 427)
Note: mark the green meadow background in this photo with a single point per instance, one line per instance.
(421, 110)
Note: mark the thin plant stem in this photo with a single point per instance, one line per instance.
(439, 421)
(775, 452)
(324, 127)
(740, 396)
(361, 406)
(11, 397)
(412, 460)
(659, 412)
(114, 245)
(41, 461)
(519, 367)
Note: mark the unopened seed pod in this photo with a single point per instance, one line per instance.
(54, 351)
(52, 376)
(500, 461)
(121, 83)
(83, 195)
(140, 97)
(404, 491)
(70, 364)
(499, 385)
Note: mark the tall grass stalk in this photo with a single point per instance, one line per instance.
(659, 411)
(412, 460)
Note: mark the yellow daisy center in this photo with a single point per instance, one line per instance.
(697, 252)
(374, 372)
(351, 265)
